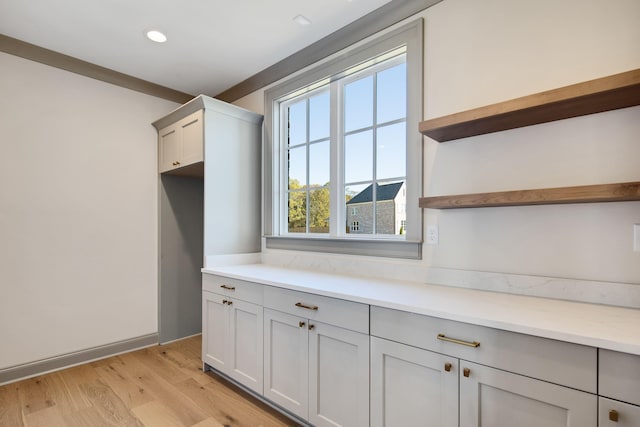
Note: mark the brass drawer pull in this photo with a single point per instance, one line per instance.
(308, 307)
(443, 337)
(613, 415)
(229, 288)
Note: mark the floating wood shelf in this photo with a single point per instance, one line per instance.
(594, 96)
(620, 192)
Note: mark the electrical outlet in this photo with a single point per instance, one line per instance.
(432, 234)
(636, 237)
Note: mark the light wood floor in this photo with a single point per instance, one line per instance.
(158, 386)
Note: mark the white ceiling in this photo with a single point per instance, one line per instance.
(212, 44)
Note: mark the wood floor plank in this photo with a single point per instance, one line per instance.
(156, 414)
(10, 411)
(34, 395)
(147, 378)
(48, 417)
(209, 422)
(115, 373)
(237, 410)
(111, 408)
(84, 418)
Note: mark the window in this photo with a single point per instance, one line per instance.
(342, 140)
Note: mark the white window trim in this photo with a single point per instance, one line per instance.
(410, 35)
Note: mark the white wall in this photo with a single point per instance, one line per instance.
(78, 212)
(482, 52)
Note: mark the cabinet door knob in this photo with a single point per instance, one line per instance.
(229, 302)
(613, 415)
(224, 301)
(177, 163)
(466, 372)
(447, 367)
(311, 326)
(301, 324)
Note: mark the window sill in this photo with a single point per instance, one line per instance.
(379, 248)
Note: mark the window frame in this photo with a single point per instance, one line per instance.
(409, 35)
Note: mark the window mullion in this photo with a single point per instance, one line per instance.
(374, 134)
(336, 150)
(308, 160)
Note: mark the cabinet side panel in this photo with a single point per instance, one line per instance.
(232, 185)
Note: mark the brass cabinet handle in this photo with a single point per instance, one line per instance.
(466, 372)
(229, 288)
(613, 415)
(301, 324)
(311, 326)
(447, 367)
(443, 337)
(308, 307)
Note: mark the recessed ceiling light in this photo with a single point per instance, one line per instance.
(302, 20)
(156, 36)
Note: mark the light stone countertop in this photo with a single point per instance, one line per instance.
(607, 327)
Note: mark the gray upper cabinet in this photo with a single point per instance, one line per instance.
(181, 144)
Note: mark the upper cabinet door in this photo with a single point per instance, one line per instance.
(168, 140)
(491, 397)
(192, 139)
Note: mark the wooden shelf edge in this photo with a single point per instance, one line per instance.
(619, 192)
(594, 96)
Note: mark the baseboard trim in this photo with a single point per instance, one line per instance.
(56, 363)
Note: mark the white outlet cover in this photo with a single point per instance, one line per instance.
(636, 237)
(432, 235)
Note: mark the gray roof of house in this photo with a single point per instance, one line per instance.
(383, 192)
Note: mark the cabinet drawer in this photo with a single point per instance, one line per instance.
(619, 376)
(558, 362)
(617, 414)
(245, 291)
(334, 311)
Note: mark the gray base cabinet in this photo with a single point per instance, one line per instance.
(432, 372)
(316, 364)
(334, 362)
(232, 339)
